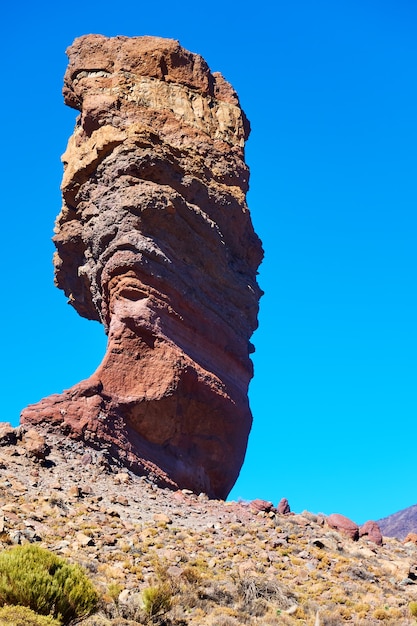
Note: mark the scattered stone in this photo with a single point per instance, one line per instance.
(123, 478)
(8, 434)
(175, 571)
(293, 609)
(84, 540)
(75, 491)
(281, 539)
(118, 499)
(9, 508)
(161, 518)
(299, 520)
(87, 459)
(15, 537)
(108, 540)
(124, 596)
(35, 445)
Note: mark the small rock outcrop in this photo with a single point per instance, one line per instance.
(344, 525)
(371, 531)
(260, 506)
(284, 507)
(411, 538)
(155, 241)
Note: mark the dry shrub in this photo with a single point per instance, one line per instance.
(263, 592)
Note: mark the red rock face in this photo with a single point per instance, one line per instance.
(371, 531)
(283, 507)
(155, 241)
(344, 525)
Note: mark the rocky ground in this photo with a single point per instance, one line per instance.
(206, 562)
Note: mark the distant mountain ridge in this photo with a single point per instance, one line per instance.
(399, 524)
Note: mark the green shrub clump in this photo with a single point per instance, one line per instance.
(23, 616)
(36, 578)
(413, 608)
(157, 600)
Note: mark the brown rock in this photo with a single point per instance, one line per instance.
(161, 518)
(155, 241)
(372, 532)
(119, 499)
(410, 538)
(258, 506)
(34, 444)
(8, 434)
(84, 540)
(344, 525)
(108, 540)
(75, 491)
(283, 507)
(123, 478)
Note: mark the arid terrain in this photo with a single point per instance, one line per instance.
(209, 562)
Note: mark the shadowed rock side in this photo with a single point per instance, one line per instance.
(155, 241)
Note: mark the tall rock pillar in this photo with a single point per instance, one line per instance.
(155, 241)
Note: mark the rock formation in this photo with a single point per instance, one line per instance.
(343, 525)
(155, 241)
(283, 507)
(371, 531)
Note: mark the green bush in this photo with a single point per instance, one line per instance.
(23, 616)
(36, 578)
(157, 600)
(413, 608)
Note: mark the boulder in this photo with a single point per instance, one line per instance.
(260, 506)
(343, 525)
(35, 445)
(8, 434)
(283, 507)
(371, 531)
(155, 241)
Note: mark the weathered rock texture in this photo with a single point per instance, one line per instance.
(155, 241)
(344, 525)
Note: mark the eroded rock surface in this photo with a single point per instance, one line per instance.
(155, 241)
(344, 525)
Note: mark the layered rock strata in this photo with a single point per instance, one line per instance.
(155, 241)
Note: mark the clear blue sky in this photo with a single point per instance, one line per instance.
(331, 92)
